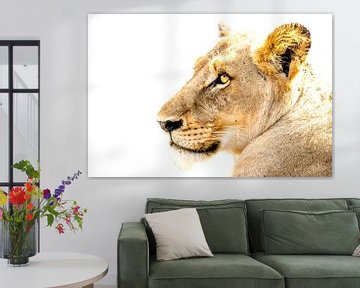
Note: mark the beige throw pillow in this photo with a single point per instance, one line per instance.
(357, 251)
(178, 234)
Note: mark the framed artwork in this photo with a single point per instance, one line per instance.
(209, 95)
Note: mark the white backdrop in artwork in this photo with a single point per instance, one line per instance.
(138, 61)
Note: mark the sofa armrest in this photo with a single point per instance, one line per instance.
(133, 256)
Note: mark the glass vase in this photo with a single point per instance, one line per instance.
(18, 242)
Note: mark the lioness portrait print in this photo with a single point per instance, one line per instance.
(210, 95)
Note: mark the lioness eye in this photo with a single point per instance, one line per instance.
(223, 79)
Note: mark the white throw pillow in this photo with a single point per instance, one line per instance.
(178, 234)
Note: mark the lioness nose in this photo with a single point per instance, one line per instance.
(169, 126)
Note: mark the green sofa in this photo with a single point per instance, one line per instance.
(234, 230)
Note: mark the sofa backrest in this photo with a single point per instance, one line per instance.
(256, 205)
(223, 221)
(353, 202)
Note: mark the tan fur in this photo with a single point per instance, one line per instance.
(275, 122)
(292, 36)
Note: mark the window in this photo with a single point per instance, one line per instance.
(19, 108)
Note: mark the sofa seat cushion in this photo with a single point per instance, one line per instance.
(222, 270)
(313, 271)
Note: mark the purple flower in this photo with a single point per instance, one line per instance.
(68, 181)
(46, 194)
(58, 192)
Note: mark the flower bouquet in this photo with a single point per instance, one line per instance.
(21, 208)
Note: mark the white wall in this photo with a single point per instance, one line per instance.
(62, 28)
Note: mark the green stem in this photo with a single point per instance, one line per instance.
(18, 237)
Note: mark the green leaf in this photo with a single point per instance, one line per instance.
(79, 221)
(53, 211)
(28, 168)
(22, 164)
(50, 219)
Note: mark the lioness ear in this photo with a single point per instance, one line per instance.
(284, 50)
(224, 30)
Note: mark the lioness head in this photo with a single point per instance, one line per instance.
(236, 92)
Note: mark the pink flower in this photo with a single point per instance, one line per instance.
(1, 212)
(60, 228)
(68, 219)
(76, 210)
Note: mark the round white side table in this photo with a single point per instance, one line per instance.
(50, 270)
